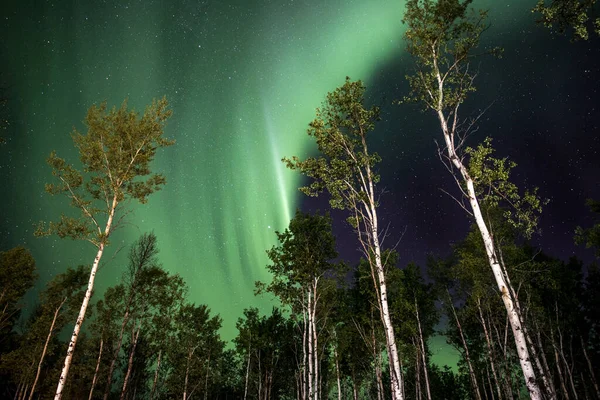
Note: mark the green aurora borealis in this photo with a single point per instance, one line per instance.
(243, 80)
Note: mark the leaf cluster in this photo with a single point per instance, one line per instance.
(305, 252)
(115, 154)
(491, 177)
(345, 167)
(590, 237)
(441, 36)
(572, 15)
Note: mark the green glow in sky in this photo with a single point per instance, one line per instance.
(243, 80)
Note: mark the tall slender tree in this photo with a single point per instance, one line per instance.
(442, 36)
(299, 266)
(115, 153)
(345, 169)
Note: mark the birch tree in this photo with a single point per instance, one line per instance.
(115, 153)
(345, 169)
(442, 38)
(299, 267)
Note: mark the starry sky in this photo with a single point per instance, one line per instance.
(243, 79)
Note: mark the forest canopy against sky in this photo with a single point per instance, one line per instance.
(243, 80)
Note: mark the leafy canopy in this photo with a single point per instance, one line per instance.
(305, 251)
(345, 166)
(491, 177)
(115, 155)
(441, 36)
(572, 15)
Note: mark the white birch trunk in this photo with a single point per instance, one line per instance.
(135, 337)
(247, 368)
(417, 372)
(589, 363)
(39, 368)
(155, 375)
(111, 367)
(423, 353)
(310, 350)
(474, 382)
(88, 295)
(316, 384)
(97, 369)
(187, 373)
(372, 232)
(548, 373)
(507, 299)
(488, 342)
(387, 323)
(560, 374)
(73, 342)
(337, 373)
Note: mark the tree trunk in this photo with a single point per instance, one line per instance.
(487, 370)
(423, 353)
(337, 373)
(206, 378)
(187, 373)
(517, 329)
(156, 375)
(488, 342)
(39, 368)
(247, 368)
(589, 363)
(73, 342)
(395, 374)
(88, 295)
(474, 382)
(310, 349)
(454, 157)
(316, 385)
(547, 385)
(97, 369)
(111, 367)
(134, 337)
(378, 378)
(372, 246)
(558, 362)
(547, 372)
(417, 372)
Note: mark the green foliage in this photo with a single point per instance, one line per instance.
(305, 252)
(441, 36)
(590, 237)
(265, 348)
(59, 303)
(345, 168)
(491, 177)
(575, 15)
(195, 349)
(17, 275)
(115, 154)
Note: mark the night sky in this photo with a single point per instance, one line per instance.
(244, 79)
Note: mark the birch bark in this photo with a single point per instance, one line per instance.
(84, 305)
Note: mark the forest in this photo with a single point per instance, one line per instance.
(525, 324)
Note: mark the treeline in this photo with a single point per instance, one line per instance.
(524, 324)
(145, 340)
